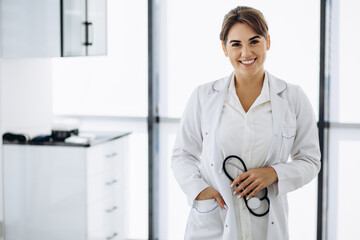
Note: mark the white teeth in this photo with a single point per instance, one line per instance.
(248, 62)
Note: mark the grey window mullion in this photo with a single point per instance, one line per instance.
(153, 120)
(323, 124)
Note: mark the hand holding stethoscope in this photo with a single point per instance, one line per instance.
(252, 184)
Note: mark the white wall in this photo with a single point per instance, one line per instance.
(25, 99)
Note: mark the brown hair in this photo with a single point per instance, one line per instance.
(252, 17)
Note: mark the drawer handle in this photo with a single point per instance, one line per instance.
(111, 183)
(112, 209)
(111, 155)
(112, 236)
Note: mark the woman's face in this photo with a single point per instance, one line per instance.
(246, 50)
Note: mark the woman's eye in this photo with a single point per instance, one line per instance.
(236, 44)
(254, 42)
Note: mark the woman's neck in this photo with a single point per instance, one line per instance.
(251, 81)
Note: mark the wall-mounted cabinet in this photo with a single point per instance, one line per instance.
(53, 28)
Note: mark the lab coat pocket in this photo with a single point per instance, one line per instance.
(205, 206)
(205, 221)
(287, 139)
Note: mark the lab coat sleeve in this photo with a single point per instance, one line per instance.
(185, 160)
(305, 152)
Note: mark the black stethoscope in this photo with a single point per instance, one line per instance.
(259, 205)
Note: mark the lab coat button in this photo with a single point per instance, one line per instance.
(212, 165)
(226, 225)
(272, 222)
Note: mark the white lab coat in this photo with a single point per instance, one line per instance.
(197, 162)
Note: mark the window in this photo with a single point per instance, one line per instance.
(345, 83)
(344, 131)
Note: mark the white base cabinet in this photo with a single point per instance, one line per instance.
(65, 192)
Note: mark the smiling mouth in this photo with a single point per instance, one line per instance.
(247, 62)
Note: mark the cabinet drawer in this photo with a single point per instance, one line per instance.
(102, 185)
(105, 157)
(103, 212)
(106, 233)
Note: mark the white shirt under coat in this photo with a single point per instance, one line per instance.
(247, 135)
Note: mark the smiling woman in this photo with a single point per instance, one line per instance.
(256, 117)
(247, 52)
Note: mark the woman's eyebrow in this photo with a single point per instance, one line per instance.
(250, 39)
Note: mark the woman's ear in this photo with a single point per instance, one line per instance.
(268, 42)
(224, 48)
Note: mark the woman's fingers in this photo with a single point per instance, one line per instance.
(210, 193)
(239, 179)
(244, 185)
(249, 190)
(221, 201)
(205, 194)
(254, 192)
(252, 181)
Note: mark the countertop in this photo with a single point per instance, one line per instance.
(99, 138)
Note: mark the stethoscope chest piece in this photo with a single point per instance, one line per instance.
(254, 203)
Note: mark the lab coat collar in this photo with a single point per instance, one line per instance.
(277, 86)
(222, 84)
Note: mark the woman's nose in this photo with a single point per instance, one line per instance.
(245, 51)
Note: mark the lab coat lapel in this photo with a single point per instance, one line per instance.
(279, 108)
(215, 101)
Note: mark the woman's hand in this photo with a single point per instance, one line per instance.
(254, 180)
(210, 193)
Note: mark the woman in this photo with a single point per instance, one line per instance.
(256, 117)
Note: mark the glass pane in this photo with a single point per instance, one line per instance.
(173, 222)
(97, 29)
(74, 16)
(194, 55)
(112, 85)
(306, 197)
(344, 156)
(345, 86)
